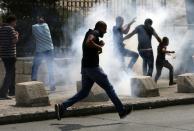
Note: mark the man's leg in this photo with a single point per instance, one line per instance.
(145, 63)
(159, 70)
(49, 55)
(12, 77)
(134, 56)
(171, 71)
(5, 87)
(36, 63)
(87, 84)
(101, 79)
(121, 56)
(150, 60)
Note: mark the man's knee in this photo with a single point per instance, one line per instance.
(171, 68)
(136, 55)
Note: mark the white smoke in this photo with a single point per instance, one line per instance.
(163, 22)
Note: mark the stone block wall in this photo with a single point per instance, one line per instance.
(24, 69)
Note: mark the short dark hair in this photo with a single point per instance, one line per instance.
(148, 21)
(165, 40)
(10, 18)
(100, 24)
(40, 19)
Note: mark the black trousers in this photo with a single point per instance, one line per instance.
(9, 80)
(148, 62)
(160, 65)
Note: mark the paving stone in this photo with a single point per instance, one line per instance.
(144, 86)
(31, 93)
(185, 83)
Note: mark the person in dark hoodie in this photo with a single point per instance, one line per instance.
(92, 72)
(118, 31)
(145, 33)
(162, 62)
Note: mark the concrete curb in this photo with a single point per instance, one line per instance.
(98, 109)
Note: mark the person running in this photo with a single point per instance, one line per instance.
(118, 31)
(162, 62)
(8, 39)
(145, 33)
(44, 50)
(92, 72)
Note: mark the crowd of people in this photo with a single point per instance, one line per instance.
(90, 69)
(44, 50)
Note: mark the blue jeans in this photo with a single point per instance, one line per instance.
(148, 62)
(89, 76)
(129, 53)
(49, 57)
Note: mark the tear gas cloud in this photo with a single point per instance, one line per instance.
(164, 19)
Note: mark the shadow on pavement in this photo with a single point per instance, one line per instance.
(72, 127)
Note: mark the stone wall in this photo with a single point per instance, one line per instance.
(24, 69)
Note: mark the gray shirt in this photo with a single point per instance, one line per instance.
(144, 38)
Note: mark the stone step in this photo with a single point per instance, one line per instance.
(144, 86)
(31, 94)
(185, 83)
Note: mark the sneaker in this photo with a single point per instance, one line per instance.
(172, 83)
(11, 94)
(5, 98)
(126, 112)
(58, 111)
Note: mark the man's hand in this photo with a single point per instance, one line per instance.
(17, 34)
(101, 43)
(172, 52)
(133, 20)
(99, 50)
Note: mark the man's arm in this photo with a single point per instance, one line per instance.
(127, 27)
(91, 44)
(157, 37)
(166, 51)
(130, 35)
(14, 35)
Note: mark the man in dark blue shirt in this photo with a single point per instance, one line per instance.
(118, 31)
(145, 33)
(92, 72)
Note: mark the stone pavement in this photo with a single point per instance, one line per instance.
(9, 113)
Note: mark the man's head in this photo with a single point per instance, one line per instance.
(40, 20)
(148, 22)
(101, 28)
(165, 41)
(11, 20)
(119, 21)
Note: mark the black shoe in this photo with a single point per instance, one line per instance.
(5, 98)
(58, 111)
(11, 94)
(126, 112)
(172, 83)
